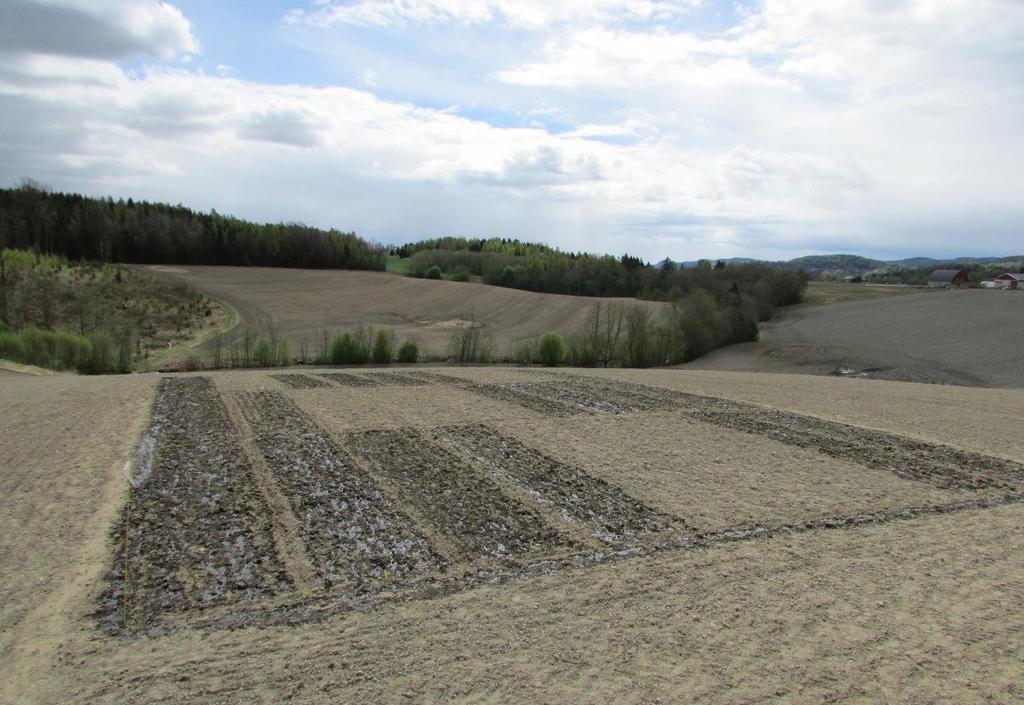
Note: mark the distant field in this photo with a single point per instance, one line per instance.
(965, 337)
(397, 265)
(820, 293)
(299, 303)
(629, 536)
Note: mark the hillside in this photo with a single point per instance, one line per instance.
(620, 536)
(962, 337)
(303, 304)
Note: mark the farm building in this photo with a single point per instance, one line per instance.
(1011, 280)
(947, 278)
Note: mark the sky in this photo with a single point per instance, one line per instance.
(661, 128)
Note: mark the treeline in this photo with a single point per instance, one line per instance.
(104, 230)
(254, 349)
(630, 335)
(756, 287)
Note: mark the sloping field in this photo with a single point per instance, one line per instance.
(513, 536)
(963, 337)
(300, 303)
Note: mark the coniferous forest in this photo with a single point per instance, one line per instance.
(104, 230)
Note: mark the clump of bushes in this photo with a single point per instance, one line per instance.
(96, 353)
(345, 350)
(408, 352)
(383, 348)
(551, 350)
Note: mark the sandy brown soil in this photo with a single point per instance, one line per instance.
(299, 303)
(963, 337)
(869, 584)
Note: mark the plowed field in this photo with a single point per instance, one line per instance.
(515, 536)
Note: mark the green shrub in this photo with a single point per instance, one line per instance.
(345, 350)
(72, 351)
(581, 353)
(434, 273)
(551, 350)
(285, 356)
(262, 353)
(11, 347)
(408, 352)
(526, 352)
(460, 277)
(102, 356)
(383, 347)
(40, 347)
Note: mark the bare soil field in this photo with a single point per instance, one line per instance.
(504, 535)
(963, 337)
(300, 303)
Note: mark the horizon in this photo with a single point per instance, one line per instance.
(686, 129)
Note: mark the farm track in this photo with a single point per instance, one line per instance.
(195, 532)
(462, 504)
(609, 513)
(355, 535)
(297, 381)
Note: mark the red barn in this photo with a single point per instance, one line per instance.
(947, 278)
(1012, 280)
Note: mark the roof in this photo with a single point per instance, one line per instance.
(1019, 276)
(946, 275)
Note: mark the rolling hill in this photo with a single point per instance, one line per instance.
(300, 304)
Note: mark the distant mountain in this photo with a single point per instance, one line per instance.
(845, 263)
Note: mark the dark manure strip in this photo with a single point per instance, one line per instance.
(912, 459)
(595, 396)
(435, 377)
(522, 394)
(571, 395)
(355, 535)
(349, 380)
(610, 514)
(195, 532)
(470, 510)
(402, 379)
(296, 381)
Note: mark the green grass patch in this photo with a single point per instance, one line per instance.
(397, 265)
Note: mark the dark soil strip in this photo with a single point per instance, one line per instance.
(354, 534)
(522, 394)
(943, 466)
(300, 381)
(470, 510)
(315, 610)
(195, 532)
(572, 395)
(436, 378)
(402, 379)
(613, 516)
(347, 380)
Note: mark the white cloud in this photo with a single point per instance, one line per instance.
(98, 29)
(530, 14)
(876, 127)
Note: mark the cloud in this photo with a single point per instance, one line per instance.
(527, 14)
(95, 29)
(875, 127)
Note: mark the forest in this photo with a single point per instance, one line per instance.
(81, 228)
(536, 267)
